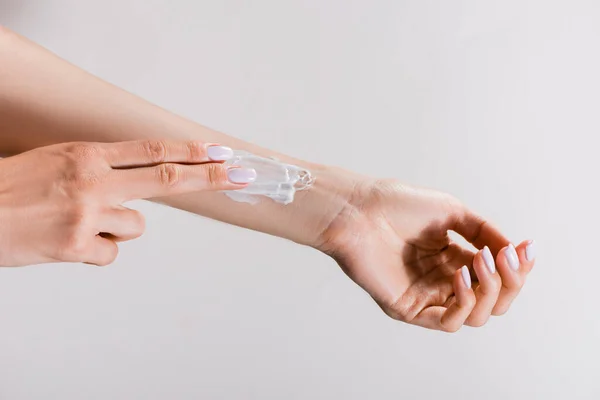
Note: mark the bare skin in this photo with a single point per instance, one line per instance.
(391, 239)
(64, 202)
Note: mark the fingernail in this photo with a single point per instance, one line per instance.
(464, 271)
(512, 257)
(219, 153)
(530, 251)
(241, 175)
(488, 258)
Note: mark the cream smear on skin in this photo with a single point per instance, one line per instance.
(274, 179)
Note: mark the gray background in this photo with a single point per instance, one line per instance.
(494, 101)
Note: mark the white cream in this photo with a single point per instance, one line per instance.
(274, 179)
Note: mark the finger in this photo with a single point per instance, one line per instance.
(122, 224)
(452, 318)
(508, 265)
(102, 251)
(488, 289)
(170, 179)
(479, 232)
(152, 152)
(459, 256)
(455, 315)
(526, 252)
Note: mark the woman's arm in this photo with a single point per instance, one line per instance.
(391, 239)
(46, 100)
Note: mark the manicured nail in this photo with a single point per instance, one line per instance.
(219, 153)
(511, 256)
(464, 271)
(241, 175)
(488, 258)
(530, 251)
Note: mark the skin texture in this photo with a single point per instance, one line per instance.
(391, 239)
(71, 196)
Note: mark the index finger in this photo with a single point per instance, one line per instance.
(479, 232)
(170, 179)
(143, 153)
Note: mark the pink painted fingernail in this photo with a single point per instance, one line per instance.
(464, 271)
(488, 259)
(511, 256)
(219, 153)
(241, 175)
(530, 251)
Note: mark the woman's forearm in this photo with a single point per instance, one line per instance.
(46, 100)
(391, 239)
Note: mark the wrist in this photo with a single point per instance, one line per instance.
(318, 208)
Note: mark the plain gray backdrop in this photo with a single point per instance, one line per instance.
(496, 102)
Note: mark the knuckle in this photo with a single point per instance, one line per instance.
(406, 308)
(196, 150)
(139, 222)
(83, 152)
(399, 313)
(75, 238)
(108, 257)
(74, 246)
(395, 314)
(81, 165)
(83, 180)
(155, 150)
(479, 223)
(514, 284)
(494, 285)
(80, 216)
(469, 302)
(169, 175)
(215, 174)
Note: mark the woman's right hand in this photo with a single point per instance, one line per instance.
(63, 203)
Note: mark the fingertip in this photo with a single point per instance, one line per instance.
(529, 250)
(218, 153)
(218, 176)
(526, 253)
(509, 255)
(241, 176)
(488, 260)
(508, 266)
(466, 276)
(484, 265)
(465, 296)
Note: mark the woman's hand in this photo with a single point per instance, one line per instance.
(64, 202)
(393, 241)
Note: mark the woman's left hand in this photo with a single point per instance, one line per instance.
(393, 241)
